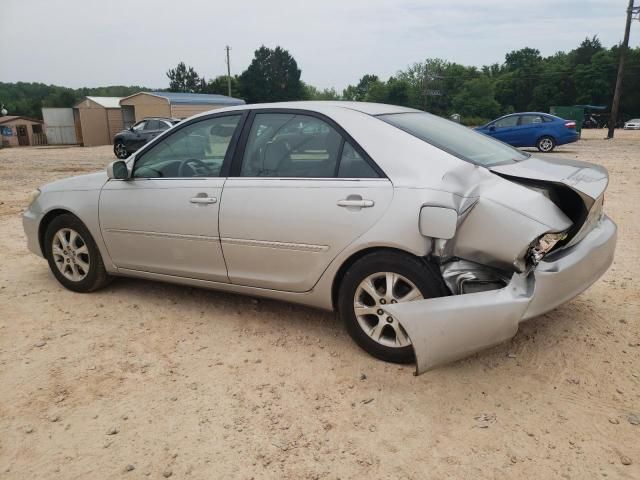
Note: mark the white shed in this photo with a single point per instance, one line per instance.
(60, 126)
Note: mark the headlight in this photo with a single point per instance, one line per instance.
(544, 245)
(33, 196)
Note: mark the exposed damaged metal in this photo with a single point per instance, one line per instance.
(510, 262)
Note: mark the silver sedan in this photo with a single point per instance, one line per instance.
(430, 241)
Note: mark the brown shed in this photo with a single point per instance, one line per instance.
(97, 120)
(171, 104)
(16, 130)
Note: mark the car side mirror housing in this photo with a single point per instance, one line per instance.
(117, 170)
(492, 128)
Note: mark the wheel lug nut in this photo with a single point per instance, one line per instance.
(380, 311)
(383, 301)
(389, 319)
(394, 301)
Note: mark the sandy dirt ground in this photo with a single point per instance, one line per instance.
(148, 380)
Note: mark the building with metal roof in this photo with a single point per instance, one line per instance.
(97, 120)
(171, 104)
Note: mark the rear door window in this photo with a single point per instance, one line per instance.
(352, 165)
(152, 125)
(290, 145)
(530, 119)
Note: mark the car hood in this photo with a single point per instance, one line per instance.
(588, 180)
(91, 181)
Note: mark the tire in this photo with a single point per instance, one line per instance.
(74, 258)
(120, 150)
(379, 334)
(546, 144)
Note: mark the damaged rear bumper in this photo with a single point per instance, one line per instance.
(449, 328)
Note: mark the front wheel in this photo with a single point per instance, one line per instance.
(73, 255)
(546, 144)
(372, 284)
(120, 150)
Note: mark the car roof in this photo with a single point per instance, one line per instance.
(162, 118)
(321, 106)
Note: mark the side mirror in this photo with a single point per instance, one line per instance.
(117, 170)
(492, 128)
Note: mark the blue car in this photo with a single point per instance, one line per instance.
(531, 129)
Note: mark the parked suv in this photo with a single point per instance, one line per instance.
(128, 141)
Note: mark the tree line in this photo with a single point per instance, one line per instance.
(525, 81)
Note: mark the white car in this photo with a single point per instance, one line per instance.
(430, 240)
(633, 124)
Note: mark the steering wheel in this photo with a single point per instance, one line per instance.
(194, 164)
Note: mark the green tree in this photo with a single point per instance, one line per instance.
(522, 70)
(585, 52)
(477, 99)
(313, 93)
(272, 76)
(359, 92)
(184, 79)
(219, 86)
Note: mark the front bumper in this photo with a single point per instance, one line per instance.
(30, 223)
(449, 328)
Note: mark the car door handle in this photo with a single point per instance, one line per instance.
(356, 203)
(204, 200)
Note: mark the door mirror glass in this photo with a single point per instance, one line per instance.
(117, 170)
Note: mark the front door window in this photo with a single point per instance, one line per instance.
(196, 150)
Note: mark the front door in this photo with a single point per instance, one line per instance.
(302, 193)
(23, 135)
(164, 219)
(138, 135)
(506, 129)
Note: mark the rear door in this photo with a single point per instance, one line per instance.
(529, 130)
(151, 129)
(301, 190)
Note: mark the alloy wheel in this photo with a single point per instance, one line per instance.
(70, 254)
(121, 150)
(372, 296)
(546, 144)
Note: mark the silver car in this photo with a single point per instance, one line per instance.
(430, 241)
(633, 124)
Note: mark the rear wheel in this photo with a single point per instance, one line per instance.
(120, 150)
(546, 144)
(73, 255)
(372, 284)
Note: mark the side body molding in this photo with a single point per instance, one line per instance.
(445, 329)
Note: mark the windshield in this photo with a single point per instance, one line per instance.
(455, 139)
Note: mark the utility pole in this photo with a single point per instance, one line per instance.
(227, 48)
(623, 53)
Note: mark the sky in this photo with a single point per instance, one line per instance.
(91, 43)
